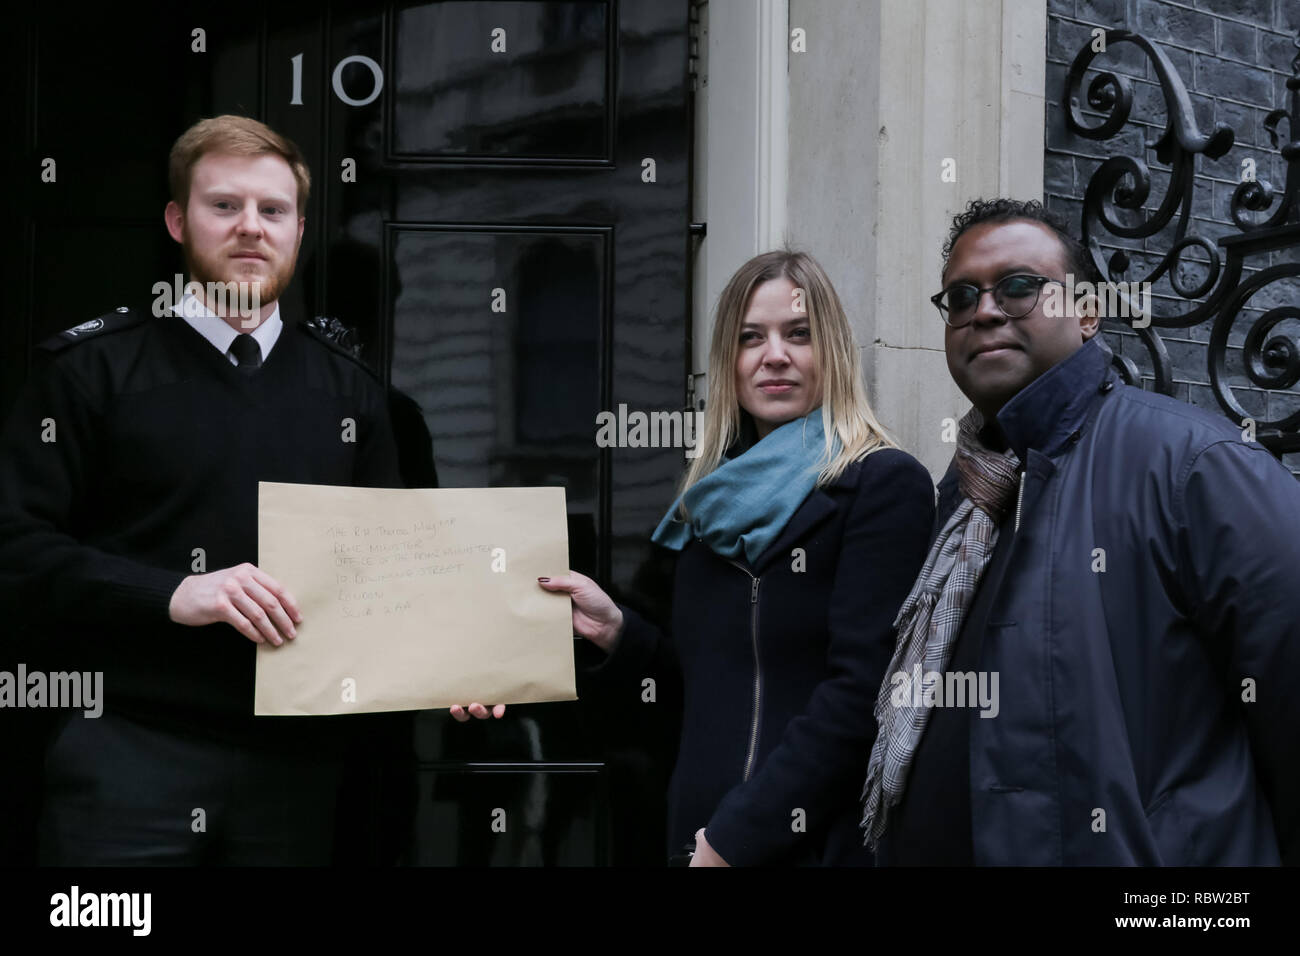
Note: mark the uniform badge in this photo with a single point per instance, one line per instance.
(118, 319)
(94, 325)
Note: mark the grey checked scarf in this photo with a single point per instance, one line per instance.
(931, 617)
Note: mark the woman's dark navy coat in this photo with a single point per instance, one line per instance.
(780, 663)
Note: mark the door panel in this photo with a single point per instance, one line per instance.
(539, 91)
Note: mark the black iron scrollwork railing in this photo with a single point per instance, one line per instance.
(1116, 204)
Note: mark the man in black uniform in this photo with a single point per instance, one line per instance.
(128, 468)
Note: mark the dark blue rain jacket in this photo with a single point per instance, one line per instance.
(1146, 634)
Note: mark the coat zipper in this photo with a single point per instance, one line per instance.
(1020, 499)
(758, 672)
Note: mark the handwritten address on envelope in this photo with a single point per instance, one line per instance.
(414, 598)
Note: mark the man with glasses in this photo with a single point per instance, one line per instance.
(1110, 569)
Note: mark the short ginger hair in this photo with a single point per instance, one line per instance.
(238, 135)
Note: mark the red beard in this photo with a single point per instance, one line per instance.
(271, 278)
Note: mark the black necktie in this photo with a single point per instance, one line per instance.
(247, 353)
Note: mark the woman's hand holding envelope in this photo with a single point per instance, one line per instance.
(476, 710)
(595, 616)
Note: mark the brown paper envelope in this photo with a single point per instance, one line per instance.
(414, 598)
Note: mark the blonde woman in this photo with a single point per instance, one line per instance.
(799, 530)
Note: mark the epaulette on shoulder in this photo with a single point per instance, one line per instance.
(336, 337)
(115, 321)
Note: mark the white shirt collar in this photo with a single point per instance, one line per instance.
(217, 331)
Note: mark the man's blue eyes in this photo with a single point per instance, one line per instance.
(269, 210)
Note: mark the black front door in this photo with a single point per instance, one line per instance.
(500, 209)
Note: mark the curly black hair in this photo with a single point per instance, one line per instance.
(980, 211)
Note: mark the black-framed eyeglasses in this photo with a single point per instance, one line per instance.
(1016, 295)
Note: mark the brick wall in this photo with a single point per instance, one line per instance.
(1234, 57)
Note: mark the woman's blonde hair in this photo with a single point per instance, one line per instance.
(846, 412)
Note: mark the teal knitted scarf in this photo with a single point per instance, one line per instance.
(743, 505)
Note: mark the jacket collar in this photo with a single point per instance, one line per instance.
(816, 508)
(1050, 410)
